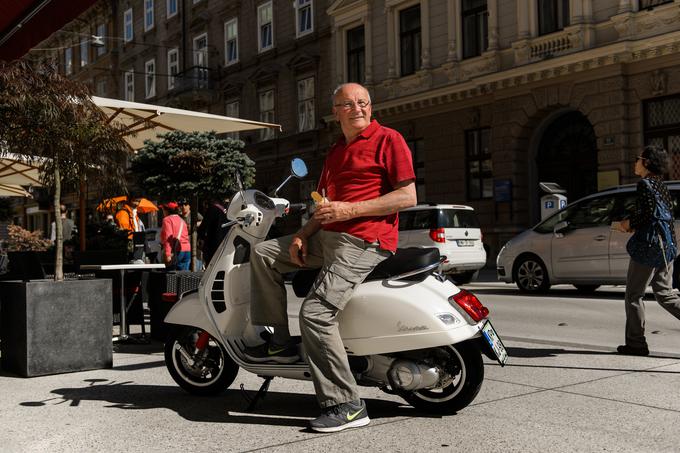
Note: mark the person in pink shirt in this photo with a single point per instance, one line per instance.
(175, 239)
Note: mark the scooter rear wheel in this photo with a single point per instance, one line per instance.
(212, 372)
(464, 369)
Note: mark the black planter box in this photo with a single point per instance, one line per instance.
(50, 327)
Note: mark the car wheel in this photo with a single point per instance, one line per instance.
(531, 275)
(586, 289)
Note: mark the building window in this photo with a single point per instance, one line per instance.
(304, 14)
(101, 32)
(409, 40)
(128, 32)
(479, 169)
(84, 52)
(150, 78)
(201, 50)
(101, 87)
(475, 28)
(171, 8)
(553, 15)
(129, 83)
(649, 4)
(173, 67)
(305, 92)
(232, 111)
(231, 42)
(356, 55)
(417, 147)
(265, 25)
(68, 61)
(148, 15)
(662, 128)
(267, 113)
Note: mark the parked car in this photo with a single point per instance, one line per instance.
(453, 229)
(577, 244)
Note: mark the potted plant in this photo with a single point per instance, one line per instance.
(51, 122)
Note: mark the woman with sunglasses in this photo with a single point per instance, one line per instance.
(650, 165)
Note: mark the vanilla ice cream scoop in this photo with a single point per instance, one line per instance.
(318, 198)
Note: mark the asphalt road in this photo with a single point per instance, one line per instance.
(562, 391)
(564, 316)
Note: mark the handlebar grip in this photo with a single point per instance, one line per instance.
(297, 208)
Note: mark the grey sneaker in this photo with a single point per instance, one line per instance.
(269, 352)
(342, 416)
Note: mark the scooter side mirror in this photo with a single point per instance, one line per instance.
(298, 168)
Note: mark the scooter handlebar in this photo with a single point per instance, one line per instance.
(297, 208)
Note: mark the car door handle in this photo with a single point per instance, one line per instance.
(601, 237)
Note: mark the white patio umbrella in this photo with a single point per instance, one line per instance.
(17, 170)
(13, 190)
(145, 121)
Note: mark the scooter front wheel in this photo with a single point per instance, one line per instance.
(463, 375)
(199, 371)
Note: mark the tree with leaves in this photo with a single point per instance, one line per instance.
(192, 165)
(52, 122)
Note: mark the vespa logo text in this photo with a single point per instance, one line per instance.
(404, 328)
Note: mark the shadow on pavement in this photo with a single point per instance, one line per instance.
(534, 353)
(277, 408)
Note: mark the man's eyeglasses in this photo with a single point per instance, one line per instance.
(639, 158)
(349, 105)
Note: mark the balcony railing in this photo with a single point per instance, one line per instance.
(551, 45)
(195, 78)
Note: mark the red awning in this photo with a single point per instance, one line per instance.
(25, 23)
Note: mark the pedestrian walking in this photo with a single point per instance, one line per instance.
(652, 248)
(175, 239)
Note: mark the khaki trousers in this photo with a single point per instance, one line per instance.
(639, 276)
(345, 261)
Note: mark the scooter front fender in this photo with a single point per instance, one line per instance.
(189, 311)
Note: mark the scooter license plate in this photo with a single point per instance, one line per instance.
(495, 342)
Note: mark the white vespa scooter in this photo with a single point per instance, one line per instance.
(407, 329)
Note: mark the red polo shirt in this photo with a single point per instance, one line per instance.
(367, 168)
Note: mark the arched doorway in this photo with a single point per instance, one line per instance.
(567, 155)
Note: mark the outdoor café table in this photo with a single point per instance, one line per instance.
(122, 268)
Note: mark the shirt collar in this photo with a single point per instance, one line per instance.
(366, 133)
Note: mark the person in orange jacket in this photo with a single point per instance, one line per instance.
(127, 217)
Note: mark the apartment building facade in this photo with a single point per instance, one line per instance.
(492, 96)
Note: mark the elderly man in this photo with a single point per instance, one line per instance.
(367, 178)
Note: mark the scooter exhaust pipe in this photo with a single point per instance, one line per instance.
(407, 375)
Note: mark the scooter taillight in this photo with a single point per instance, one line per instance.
(438, 235)
(472, 306)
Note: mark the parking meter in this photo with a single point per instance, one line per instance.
(553, 200)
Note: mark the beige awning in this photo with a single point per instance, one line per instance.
(13, 190)
(16, 170)
(146, 121)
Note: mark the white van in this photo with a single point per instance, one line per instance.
(453, 229)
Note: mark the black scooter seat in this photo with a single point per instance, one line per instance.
(403, 261)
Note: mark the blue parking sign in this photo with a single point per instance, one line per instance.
(549, 204)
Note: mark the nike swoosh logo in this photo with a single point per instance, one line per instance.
(351, 417)
(271, 351)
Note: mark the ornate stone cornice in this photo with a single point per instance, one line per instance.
(484, 84)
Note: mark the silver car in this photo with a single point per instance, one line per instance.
(576, 245)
